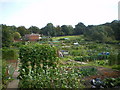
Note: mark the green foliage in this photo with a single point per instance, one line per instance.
(113, 59)
(4, 66)
(91, 58)
(88, 71)
(58, 31)
(80, 28)
(34, 29)
(9, 54)
(18, 44)
(117, 67)
(101, 62)
(99, 33)
(4, 76)
(39, 56)
(112, 82)
(51, 78)
(49, 30)
(67, 29)
(118, 58)
(22, 30)
(7, 37)
(115, 25)
(16, 35)
(77, 52)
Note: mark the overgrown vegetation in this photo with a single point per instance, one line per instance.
(112, 82)
(10, 54)
(51, 78)
(6, 76)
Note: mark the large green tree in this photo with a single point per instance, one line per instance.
(7, 36)
(22, 30)
(49, 30)
(67, 29)
(99, 33)
(34, 29)
(16, 35)
(58, 31)
(115, 25)
(80, 28)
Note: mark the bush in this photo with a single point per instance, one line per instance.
(90, 58)
(77, 52)
(37, 56)
(113, 59)
(102, 62)
(18, 44)
(112, 82)
(87, 71)
(117, 67)
(118, 58)
(4, 76)
(9, 54)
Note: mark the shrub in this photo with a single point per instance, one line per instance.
(118, 58)
(113, 59)
(77, 52)
(90, 58)
(18, 44)
(9, 54)
(37, 56)
(102, 62)
(112, 82)
(88, 71)
(4, 75)
(117, 67)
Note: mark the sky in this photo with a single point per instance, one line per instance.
(59, 12)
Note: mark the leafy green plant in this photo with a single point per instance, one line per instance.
(101, 62)
(9, 54)
(18, 44)
(113, 59)
(112, 82)
(39, 56)
(51, 78)
(88, 71)
(5, 77)
(77, 52)
(117, 67)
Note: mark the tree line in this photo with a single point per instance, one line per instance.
(102, 33)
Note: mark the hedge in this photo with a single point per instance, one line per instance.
(9, 54)
(37, 56)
